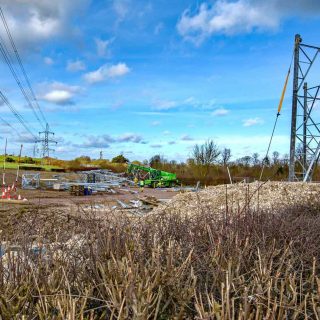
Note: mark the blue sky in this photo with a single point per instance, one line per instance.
(155, 77)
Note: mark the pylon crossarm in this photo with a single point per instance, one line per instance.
(309, 46)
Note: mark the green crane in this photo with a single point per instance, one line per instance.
(152, 177)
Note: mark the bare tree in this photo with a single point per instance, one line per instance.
(244, 161)
(285, 159)
(225, 156)
(255, 159)
(155, 161)
(275, 157)
(190, 162)
(205, 155)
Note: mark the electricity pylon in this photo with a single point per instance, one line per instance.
(45, 140)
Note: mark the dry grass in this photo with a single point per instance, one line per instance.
(233, 265)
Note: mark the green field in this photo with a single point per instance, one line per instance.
(25, 161)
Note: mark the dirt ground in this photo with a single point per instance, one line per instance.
(63, 199)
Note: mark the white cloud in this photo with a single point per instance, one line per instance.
(102, 46)
(203, 105)
(121, 7)
(33, 22)
(252, 122)
(129, 137)
(76, 65)
(190, 101)
(166, 133)
(186, 138)
(156, 146)
(25, 138)
(59, 93)
(240, 16)
(226, 18)
(104, 141)
(158, 28)
(58, 96)
(107, 72)
(117, 70)
(220, 112)
(48, 61)
(155, 123)
(164, 104)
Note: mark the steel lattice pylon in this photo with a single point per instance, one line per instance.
(305, 129)
(46, 141)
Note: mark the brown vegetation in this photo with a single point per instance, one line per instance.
(241, 264)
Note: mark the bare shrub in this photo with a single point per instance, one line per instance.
(237, 265)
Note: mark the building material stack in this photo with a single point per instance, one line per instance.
(77, 190)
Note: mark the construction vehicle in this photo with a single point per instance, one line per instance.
(150, 177)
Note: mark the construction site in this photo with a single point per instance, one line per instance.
(144, 187)
(209, 238)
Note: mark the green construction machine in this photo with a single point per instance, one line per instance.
(150, 177)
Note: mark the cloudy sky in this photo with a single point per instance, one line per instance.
(153, 77)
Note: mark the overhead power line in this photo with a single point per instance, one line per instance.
(6, 57)
(21, 65)
(17, 115)
(10, 126)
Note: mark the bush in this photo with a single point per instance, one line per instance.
(120, 159)
(58, 170)
(237, 265)
(74, 165)
(83, 159)
(33, 168)
(29, 160)
(9, 159)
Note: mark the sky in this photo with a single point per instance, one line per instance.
(153, 77)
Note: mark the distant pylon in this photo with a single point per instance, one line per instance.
(44, 139)
(101, 155)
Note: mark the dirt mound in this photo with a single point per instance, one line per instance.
(273, 196)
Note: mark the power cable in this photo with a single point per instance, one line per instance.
(16, 114)
(10, 126)
(21, 65)
(4, 52)
(277, 117)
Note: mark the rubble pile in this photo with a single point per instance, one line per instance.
(271, 196)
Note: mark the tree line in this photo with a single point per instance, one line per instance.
(209, 164)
